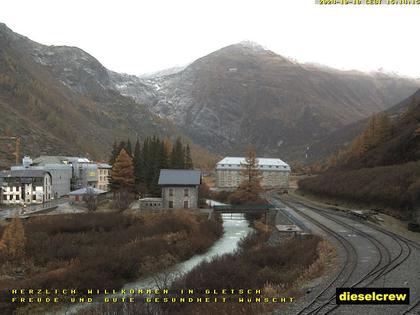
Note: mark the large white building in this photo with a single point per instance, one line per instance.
(275, 173)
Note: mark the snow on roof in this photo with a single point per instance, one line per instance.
(230, 161)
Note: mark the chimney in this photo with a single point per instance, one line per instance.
(26, 161)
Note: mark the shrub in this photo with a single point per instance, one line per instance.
(395, 186)
(108, 250)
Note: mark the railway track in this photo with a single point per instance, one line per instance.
(324, 302)
(405, 244)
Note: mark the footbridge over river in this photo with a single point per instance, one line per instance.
(274, 214)
(263, 209)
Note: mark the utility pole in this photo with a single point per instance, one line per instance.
(17, 147)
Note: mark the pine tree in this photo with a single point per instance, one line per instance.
(14, 240)
(114, 153)
(177, 155)
(128, 148)
(188, 159)
(168, 146)
(122, 173)
(121, 146)
(137, 163)
(164, 158)
(146, 160)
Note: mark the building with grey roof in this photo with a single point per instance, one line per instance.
(57, 166)
(179, 188)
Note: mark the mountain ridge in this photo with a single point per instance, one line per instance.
(59, 111)
(208, 98)
(238, 95)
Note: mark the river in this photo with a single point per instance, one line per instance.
(235, 227)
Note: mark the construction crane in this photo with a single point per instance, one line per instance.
(17, 146)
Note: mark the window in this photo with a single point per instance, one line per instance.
(186, 192)
(171, 204)
(33, 197)
(171, 192)
(17, 197)
(186, 204)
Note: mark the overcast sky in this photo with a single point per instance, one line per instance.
(136, 36)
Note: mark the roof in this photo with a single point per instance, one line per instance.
(103, 165)
(44, 167)
(84, 191)
(77, 159)
(179, 177)
(264, 163)
(23, 173)
(49, 159)
(151, 199)
(59, 159)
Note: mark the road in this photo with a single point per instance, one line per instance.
(369, 256)
(33, 209)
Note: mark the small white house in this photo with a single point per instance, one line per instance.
(25, 186)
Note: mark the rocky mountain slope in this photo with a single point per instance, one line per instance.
(60, 100)
(244, 94)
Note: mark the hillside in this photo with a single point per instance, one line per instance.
(59, 101)
(244, 94)
(381, 167)
(341, 138)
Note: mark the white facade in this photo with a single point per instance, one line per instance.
(275, 173)
(32, 189)
(104, 171)
(61, 176)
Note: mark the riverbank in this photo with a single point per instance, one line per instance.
(104, 250)
(276, 271)
(256, 278)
